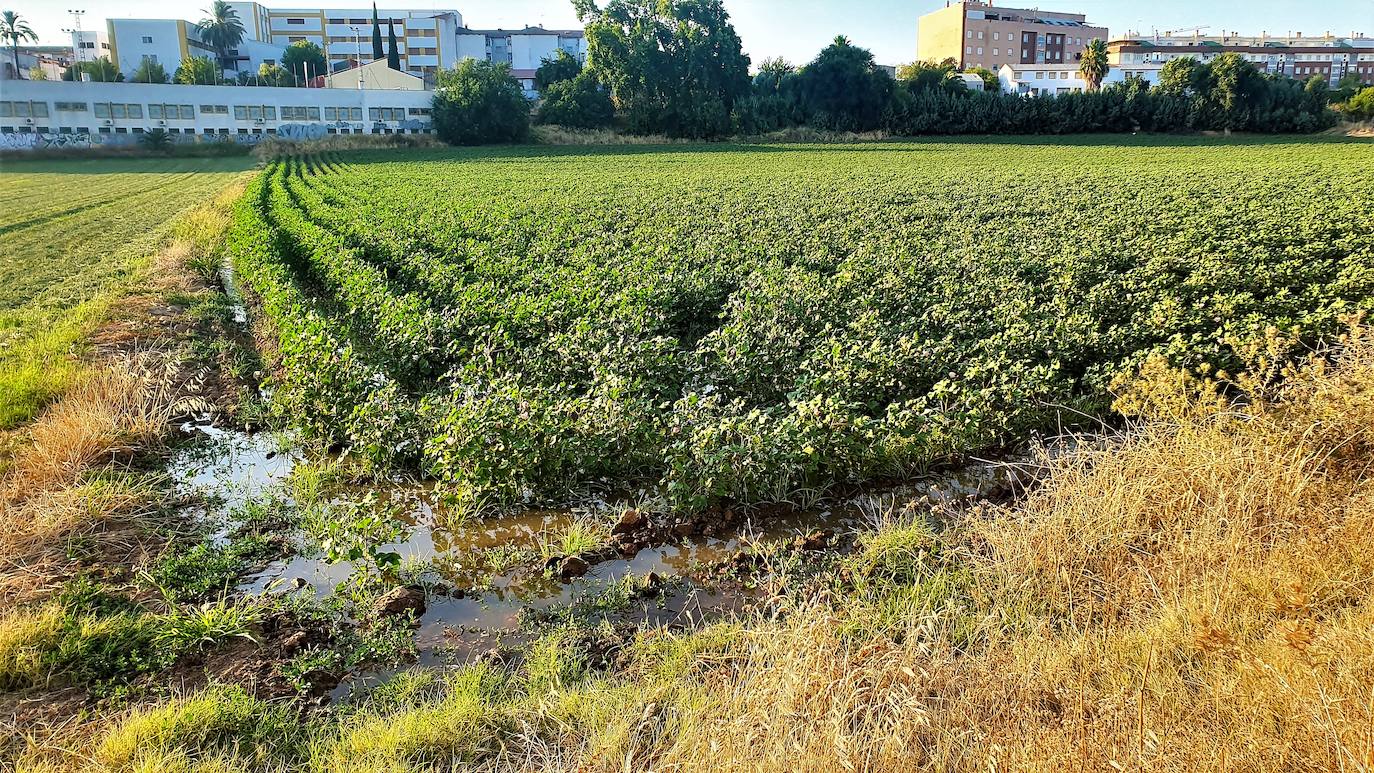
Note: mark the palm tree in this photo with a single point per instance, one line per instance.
(222, 30)
(16, 31)
(1092, 65)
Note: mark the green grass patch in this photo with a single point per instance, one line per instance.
(73, 236)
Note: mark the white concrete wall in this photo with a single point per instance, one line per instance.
(472, 46)
(529, 51)
(62, 127)
(164, 42)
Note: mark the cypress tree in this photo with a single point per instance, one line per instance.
(393, 57)
(377, 52)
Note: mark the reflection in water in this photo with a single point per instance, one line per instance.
(236, 468)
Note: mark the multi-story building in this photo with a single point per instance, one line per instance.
(522, 49)
(1292, 55)
(979, 34)
(426, 40)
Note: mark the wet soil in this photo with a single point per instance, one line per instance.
(681, 569)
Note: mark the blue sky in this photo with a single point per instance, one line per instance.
(797, 29)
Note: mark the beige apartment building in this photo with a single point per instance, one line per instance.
(1292, 55)
(979, 34)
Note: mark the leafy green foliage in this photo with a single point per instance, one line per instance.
(1093, 64)
(560, 67)
(673, 68)
(157, 140)
(843, 89)
(207, 569)
(525, 324)
(579, 102)
(1361, 106)
(479, 103)
(198, 71)
(100, 70)
(149, 71)
(303, 60)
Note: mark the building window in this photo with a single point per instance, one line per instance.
(386, 113)
(338, 21)
(970, 34)
(147, 38)
(968, 49)
(980, 50)
(214, 109)
(300, 114)
(70, 107)
(419, 111)
(295, 21)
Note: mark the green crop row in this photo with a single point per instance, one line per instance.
(754, 323)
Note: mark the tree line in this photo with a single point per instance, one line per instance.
(678, 69)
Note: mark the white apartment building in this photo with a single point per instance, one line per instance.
(35, 114)
(523, 49)
(1055, 79)
(426, 40)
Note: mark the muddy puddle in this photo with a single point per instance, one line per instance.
(472, 609)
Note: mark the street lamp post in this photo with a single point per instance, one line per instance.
(358, 54)
(78, 39)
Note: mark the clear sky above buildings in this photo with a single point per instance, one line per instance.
(795, 29)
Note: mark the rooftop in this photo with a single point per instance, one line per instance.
(525, 31)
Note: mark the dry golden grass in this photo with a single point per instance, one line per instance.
(118, 406)
(47, 494)
(1198, 595)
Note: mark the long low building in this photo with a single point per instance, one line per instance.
(38, 114)
(1054, 79)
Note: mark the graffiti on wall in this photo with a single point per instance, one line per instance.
(294, 132)
(35, 141)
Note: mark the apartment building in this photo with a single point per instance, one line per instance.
(1292, 55)
(979, 34)
(522, 49)
(426, 39)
